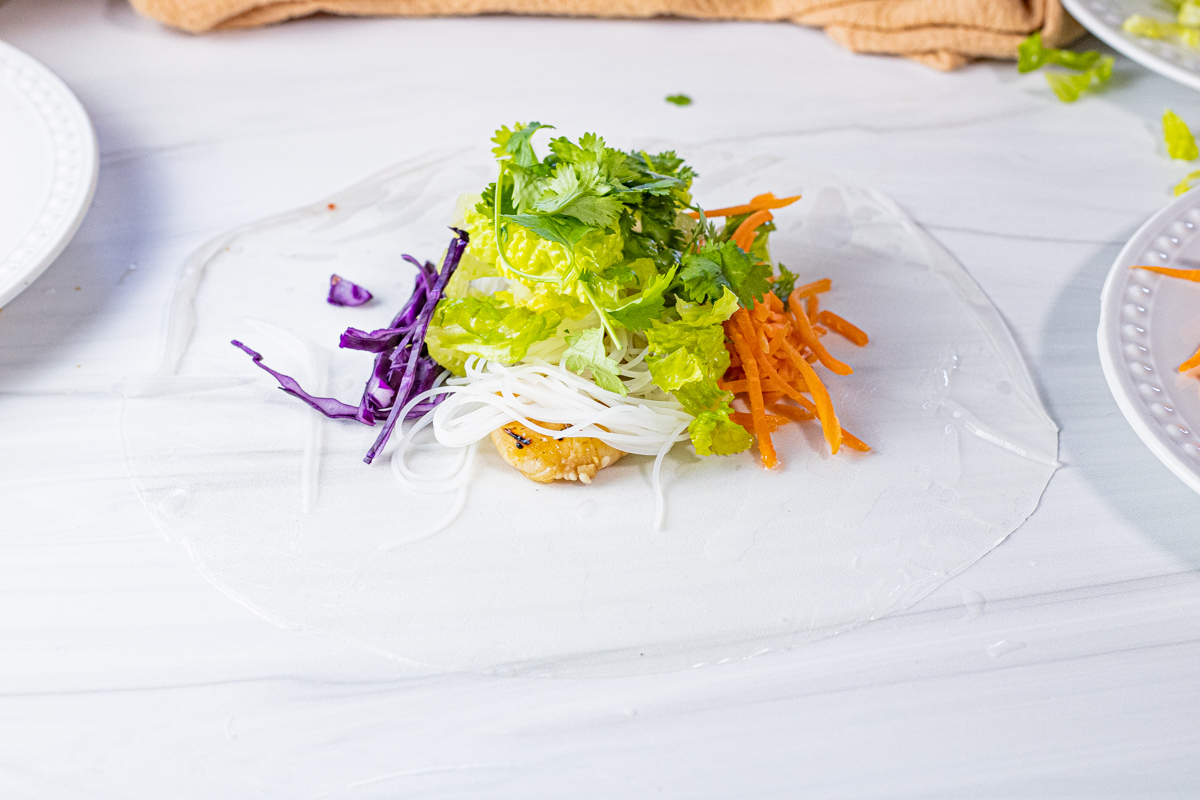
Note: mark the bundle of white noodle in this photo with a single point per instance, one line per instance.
(646, 421)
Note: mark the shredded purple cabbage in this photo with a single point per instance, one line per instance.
(346, 293)
(403, 367)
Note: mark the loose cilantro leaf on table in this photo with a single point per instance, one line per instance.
(679, 99)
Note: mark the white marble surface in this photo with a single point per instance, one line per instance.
(1065, 664)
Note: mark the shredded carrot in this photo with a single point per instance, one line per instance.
(766, 448)
(1191, 363)
(761, 203)
(809, 337)
(812, 307)
(774, 421)
(773, 349)
(843, 328)
(1186, 274)
(743, 237)
(809, 289)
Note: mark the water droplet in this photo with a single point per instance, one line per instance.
(1004, 646)
(975, 602)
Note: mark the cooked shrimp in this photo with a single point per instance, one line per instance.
(544, 459)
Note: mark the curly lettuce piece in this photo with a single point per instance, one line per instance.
(687, 357)
(485, 327)
(585, 353)
(1178, 137)
(1150, 28)
(1093, 68)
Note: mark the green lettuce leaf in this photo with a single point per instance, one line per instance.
(1178, 137)
(1150, 28)
(1070, 87)
(585, 353)
(647, 307)
(1188, 183)
(713, 433)
(1033, 55)
(485, 327)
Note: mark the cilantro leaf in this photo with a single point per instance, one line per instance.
(679, 99)
(585, 352)
(706, 274)
(784, 284)
(566, 231)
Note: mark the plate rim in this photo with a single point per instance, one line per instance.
(1108, 340)
(75, 199)
(1127, 47)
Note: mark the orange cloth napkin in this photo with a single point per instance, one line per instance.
(944, 34)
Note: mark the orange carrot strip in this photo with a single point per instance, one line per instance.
(1186, 274)
(804, 415)
(774, 421)
(843, 328)
(820, 396)
(1191, 363)
(812, 307)
(759, 203)
(809, 289)
(791, 412)
(829, 422)
(743, 237)
(766, 448)
(809, 337)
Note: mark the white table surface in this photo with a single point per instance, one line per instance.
(123, 674)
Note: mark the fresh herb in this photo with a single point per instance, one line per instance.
(585, 353)
(679, 99)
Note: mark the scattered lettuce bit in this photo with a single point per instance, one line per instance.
(1188, 183)
(1178, 137)
(1189, 13)
(1092, 67)
(585, 353)
(346, 293)
(715, 434)
(721, 266)
(1033, 55)
(679, 99)
(486, 327)
(1150, 28)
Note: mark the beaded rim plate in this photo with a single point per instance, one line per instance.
(1103, 19)
(53, 167)
(1149, 325)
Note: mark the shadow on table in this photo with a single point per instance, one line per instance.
(1095, 439)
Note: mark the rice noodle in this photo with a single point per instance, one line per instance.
(646, 421)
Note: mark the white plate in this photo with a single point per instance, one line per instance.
(48, 168)
(1149, 324)
(1103, 19)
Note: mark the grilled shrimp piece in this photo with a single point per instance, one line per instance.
(543, 459)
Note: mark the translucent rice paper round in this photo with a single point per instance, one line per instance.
(278, 510)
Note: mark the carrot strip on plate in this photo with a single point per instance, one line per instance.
(760, 203)
(843, 328)
(820, 396)
(1191, 363)
(1186, 274)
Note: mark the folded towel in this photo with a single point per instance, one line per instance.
(944, 34)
